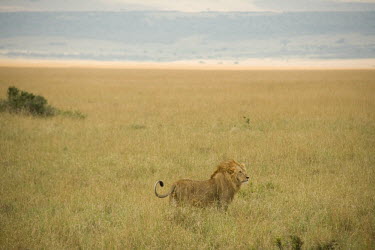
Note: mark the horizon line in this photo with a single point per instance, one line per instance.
(251, 64)
(190, 12)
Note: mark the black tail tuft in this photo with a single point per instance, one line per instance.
(161, 183)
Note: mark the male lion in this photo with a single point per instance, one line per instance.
(218, 191)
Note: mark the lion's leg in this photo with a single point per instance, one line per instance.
(173, 199)
(173, 202)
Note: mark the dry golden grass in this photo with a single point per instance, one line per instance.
(308, 141)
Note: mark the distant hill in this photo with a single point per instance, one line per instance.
(170, 36)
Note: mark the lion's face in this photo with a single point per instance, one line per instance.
(240, 174)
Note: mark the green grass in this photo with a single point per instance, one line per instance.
(307, 139)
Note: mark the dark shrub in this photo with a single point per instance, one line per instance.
(26, 102)
(22, 101)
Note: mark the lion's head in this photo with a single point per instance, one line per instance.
(236, 170)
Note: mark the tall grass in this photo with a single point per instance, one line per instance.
(307, 138)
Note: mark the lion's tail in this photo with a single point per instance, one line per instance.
(162, 195)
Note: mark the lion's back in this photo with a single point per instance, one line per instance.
(193, 192)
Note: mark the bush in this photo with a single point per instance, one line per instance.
(22, 101)
(25, 102)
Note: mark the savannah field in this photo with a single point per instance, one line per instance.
(307, 139)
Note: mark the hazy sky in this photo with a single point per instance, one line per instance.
(187, 5)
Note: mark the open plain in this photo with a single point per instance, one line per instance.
(307, 138)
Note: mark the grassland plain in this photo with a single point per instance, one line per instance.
(307, 138)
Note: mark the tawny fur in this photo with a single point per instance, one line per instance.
(218, 191)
